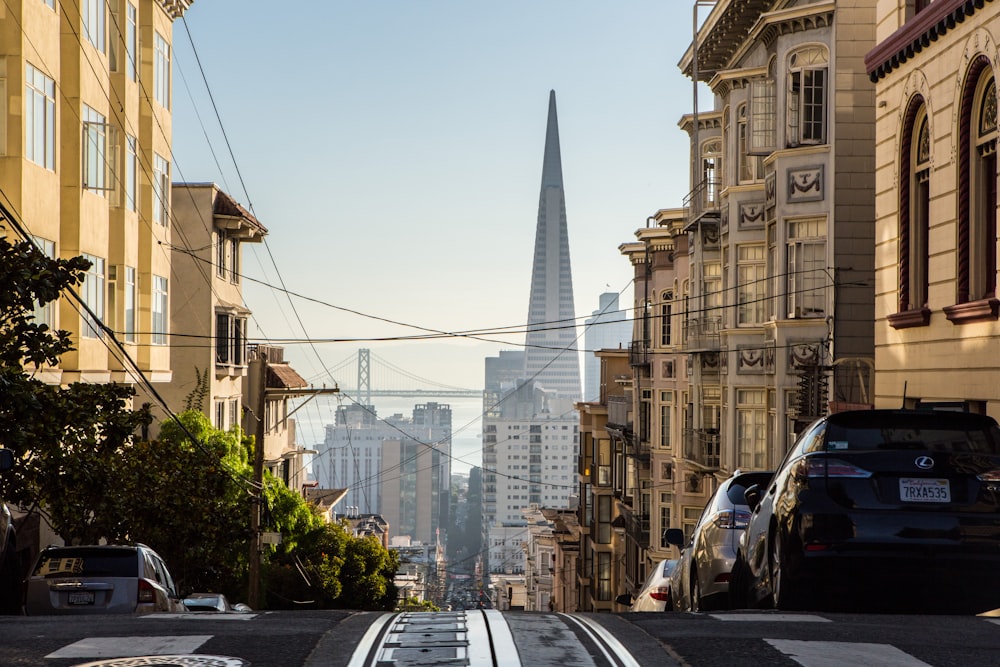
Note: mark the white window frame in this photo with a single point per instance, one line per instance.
(93, 18)
(763, 116)
(39, 117)
(93, 292)
(751, 283)
(159, 311)
(45, 313)
(131, 173)
(161, 190)
(98, 145)
(130, 307)
(751, 428)
(806, 262)
(808, 89)
(131, 41)
(161, 70)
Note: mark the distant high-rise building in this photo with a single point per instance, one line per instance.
(550, 357)
(397, 467)
(607, 329)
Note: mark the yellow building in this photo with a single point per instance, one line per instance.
(85, 162)
(936, 308)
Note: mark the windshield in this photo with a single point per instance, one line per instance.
(88, 562)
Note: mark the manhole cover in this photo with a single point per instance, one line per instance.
(170, 661)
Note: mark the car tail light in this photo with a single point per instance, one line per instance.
(731, 519)
(812, 467)
(146, 591)
(989, 476)
(660, 593)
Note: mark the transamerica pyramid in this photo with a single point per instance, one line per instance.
(550, 357)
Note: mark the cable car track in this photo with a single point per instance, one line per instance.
(479, 638)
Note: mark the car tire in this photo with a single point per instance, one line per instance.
(10, 585)
(782, 591)
(668, 605)
(695, 596)
(737, 584)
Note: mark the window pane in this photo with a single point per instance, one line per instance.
(93, 292)
(39, 118)
(130, 42)
(161, 71)
(159, 314)
(129, 304)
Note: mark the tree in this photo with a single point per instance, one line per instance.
(67, 439)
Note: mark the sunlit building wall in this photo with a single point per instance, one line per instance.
(937, 311)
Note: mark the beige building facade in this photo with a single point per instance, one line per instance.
(206, 303)
(936, 308)
(85, 161)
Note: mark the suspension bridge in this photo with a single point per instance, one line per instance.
(375, 377)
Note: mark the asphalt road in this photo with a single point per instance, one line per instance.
(329, 639)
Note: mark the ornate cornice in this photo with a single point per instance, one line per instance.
(175, 8)
(918, 34)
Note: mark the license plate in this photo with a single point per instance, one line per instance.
(85, 597)
(924, 490)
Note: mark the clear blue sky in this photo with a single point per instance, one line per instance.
(393, 148)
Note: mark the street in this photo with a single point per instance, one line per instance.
(341, 638)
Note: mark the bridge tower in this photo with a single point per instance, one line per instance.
(364, 376)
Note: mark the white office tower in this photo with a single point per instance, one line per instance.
(530, 447)
(607, 329)
(397, 467)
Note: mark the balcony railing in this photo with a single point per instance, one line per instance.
(704, 197)
(702, 334)
(703, 447)
(638, 353)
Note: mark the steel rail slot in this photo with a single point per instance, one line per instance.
(372, 642)
(501, 641)
(614, 652)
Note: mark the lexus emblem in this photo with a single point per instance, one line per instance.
(924, 462)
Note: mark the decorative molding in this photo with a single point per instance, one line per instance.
(805, 184)
(906, 319)
(751, 360)
(770, 189)
(804, 354)
(752, 215)
(982, 310)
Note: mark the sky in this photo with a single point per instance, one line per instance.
(393, 149)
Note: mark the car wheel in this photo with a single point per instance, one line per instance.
(10, 585)
(668, 605)
(781, 592)
(695, 592)
(737, 585)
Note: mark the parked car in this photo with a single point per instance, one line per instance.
(888, 508)
(213, 603)
(104, 579)
(10, 569)
(654, 594)
(702, 581)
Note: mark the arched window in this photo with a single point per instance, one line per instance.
(977, 200)
(914, 217)
(806, 96)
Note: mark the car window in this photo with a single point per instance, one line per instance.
(932, 432)
(87, 562)
(740, 484)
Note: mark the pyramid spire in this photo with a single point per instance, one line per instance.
(550, 346)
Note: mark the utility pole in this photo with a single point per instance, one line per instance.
(259, 395)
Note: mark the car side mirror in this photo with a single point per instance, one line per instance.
(752, 496)
(624, 599)
(673, 536)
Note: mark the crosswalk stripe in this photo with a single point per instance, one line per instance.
(837, 654)
(129, 647)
